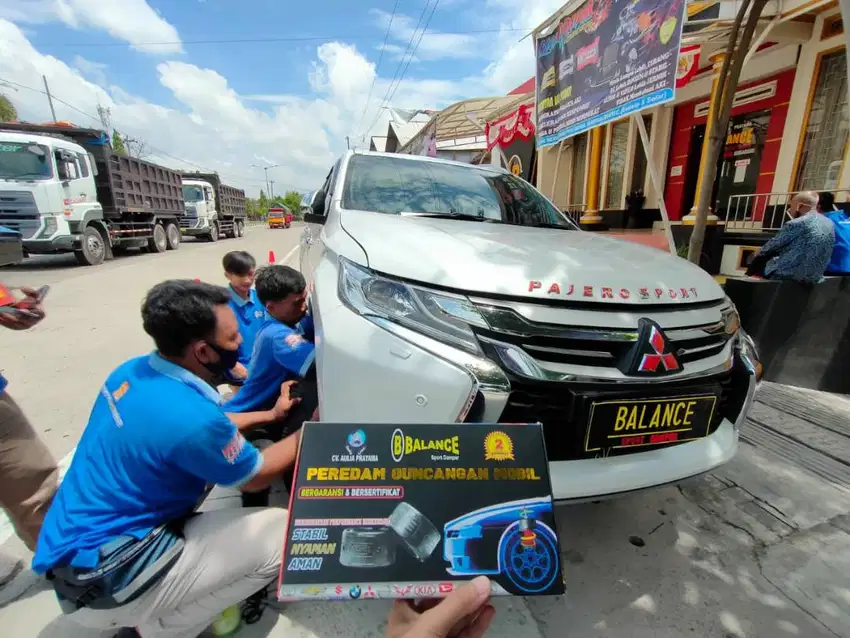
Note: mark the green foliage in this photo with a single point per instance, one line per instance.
(292, 200)
(118, 143)
(8, 113)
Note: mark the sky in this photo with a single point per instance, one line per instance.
(233, 85)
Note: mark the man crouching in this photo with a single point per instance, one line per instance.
(120, 542)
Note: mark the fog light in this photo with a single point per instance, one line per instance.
(50, 226)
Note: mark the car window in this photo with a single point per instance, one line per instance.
(396, 185)
(84, 166)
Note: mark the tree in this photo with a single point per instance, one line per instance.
(118, 143)
(8, 113)
(727, 82)
(292, 200)
(263, 204)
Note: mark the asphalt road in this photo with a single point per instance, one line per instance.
(759, 548)
(93, 323)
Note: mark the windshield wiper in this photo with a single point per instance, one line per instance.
(450, 215)
(549, 225)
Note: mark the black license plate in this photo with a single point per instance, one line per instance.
(634, 423)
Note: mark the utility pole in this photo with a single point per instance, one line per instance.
(49, 99)
(347, 142)
(105, 115)
(271, 190)
(266, 171)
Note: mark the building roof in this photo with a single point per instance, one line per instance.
(378, 143)
(525, 87)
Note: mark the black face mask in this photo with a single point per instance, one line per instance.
(226, 360)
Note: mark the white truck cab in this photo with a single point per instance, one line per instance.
(446, 292)
(201, 210)
(47, 189)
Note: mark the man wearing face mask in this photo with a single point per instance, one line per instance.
(802, 248)
(120, 543)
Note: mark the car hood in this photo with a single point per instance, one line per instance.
(487, 258)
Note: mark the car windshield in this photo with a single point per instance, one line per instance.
(21, 160)
(397, 185)
(193, 194)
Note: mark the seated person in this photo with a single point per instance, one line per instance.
(283, 351)
(802, 248)
(120, 542)
(239, 269)
(839, 264)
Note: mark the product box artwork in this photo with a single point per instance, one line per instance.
(412, 511)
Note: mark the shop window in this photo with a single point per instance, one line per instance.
(579, 166)
(617, 164)
(825, 136)
(639, 162)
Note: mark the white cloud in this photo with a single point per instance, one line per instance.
(132, 21)
(94, 71)
(434, 44)
(215, 127)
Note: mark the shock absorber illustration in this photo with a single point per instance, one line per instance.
(528, 538)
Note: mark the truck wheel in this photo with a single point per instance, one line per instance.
(159, 242)
(172, 236)
(240, 229)
(213, 236)
(92, 248)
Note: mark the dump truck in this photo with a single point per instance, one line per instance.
(64, 189)
(279, 217)
(213, 209)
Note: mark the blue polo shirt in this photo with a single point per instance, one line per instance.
(155, 439)
(281, 353)
(251, 314)
(840, 261)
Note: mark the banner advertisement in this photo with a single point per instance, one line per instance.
(603, 61)
(415, 510)
(688, 64)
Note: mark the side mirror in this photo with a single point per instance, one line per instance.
(312, 218)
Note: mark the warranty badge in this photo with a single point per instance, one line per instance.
(498, 447)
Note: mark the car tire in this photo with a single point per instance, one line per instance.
(159, 242)
(213, 236)
(92, 250)
(172, 236)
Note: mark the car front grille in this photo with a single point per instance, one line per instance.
(19, 212)
(563, 409)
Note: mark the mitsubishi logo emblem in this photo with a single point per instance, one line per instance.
(651, 355)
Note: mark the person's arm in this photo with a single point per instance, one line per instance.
(295, 353)
(25, 319)
(248, 420)
(784, 237)
(277, 458)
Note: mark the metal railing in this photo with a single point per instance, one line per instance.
(574, 211)
(762, 212)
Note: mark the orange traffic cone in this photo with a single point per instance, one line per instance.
(271, 256)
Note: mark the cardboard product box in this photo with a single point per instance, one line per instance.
(412, 511)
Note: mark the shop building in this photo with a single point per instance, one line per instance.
(788, 132)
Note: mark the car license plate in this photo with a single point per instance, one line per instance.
(633, 423)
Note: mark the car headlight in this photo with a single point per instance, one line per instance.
(441, 316)
(730, 318)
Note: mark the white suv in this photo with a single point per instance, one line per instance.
(449, 292)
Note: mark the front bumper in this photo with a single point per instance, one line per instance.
(58, 244)
(368, 373)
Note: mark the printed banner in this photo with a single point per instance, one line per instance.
(413, 511)
(603, 61)
(517, 125)
(688, 64)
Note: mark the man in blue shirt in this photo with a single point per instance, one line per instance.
(239, 270)
(802, 248)
(839, 264)
(156, 438)
(283, 351)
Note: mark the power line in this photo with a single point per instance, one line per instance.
(271, 39)
(377, 67)
(418, 42)
(384, 101)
